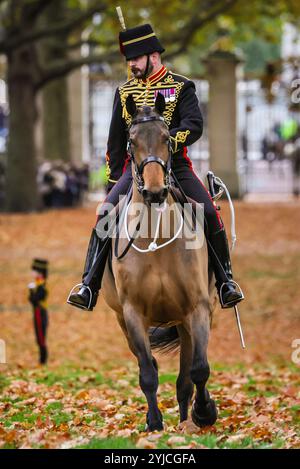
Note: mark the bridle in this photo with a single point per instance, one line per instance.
(138, 169)
(138, 177)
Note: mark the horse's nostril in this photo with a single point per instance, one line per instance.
(164, 193)
(157, 197)
(147, 195)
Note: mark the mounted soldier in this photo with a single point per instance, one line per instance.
(182, 114)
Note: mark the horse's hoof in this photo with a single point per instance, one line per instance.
(157, 425)
(208, 415)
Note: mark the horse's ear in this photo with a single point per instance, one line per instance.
(160, 103)
(130, 105)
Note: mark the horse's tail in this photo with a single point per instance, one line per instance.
(164, 339)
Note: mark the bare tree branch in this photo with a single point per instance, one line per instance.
(62, 69)
(37, 8)
(185, 36)
(87, 42)
(65, 27)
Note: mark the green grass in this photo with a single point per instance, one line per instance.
(4, 381)
(260, 274)
(23, 416)
(70, 378)
(295, 410)
(20, 418)
(108, 443)
(54, 406)
(167, 378)
(60, 418)
(9, 446)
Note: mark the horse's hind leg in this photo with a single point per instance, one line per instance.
(139, 344)
(204, 410)
(184, 384)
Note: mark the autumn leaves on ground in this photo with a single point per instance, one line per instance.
(88, 395)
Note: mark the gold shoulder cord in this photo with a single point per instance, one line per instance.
(123, 96)
(180, 137)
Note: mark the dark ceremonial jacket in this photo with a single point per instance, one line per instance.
(182, 114)
(38, 295)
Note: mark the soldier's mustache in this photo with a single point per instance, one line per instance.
(136, 70)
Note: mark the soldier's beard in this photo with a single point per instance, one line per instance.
(138, 73)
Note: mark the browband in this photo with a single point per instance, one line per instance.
(147, 119)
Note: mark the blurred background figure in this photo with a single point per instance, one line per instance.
(38, 294)
(292, 152)
(61, 184)
(3, 128)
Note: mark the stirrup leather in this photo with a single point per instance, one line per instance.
(231, 303)
(79, 286)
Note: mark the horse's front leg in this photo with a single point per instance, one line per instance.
(184, 384)
(204, 411)
(139, 344)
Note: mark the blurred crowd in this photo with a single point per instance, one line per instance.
(280, 140)
(3, 128)
(62, 184)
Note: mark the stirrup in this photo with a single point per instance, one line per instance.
(219, 194)
(231, 303)
(213, 184)
(79, 286)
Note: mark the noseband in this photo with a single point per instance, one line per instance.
(138, 169)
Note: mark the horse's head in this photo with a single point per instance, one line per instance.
(149, 147)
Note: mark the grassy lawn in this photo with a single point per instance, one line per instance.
(88, 396)
(69, 407)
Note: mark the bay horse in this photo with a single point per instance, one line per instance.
(171, 287)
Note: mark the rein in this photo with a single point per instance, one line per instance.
(138, 169)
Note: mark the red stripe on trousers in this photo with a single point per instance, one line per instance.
(126, 163)
(39, 327)
(185, 156)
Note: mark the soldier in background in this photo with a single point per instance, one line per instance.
(38, 294)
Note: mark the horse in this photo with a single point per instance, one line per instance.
(171, 289)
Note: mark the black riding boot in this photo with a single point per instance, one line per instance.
(229, 293)
(87, 296)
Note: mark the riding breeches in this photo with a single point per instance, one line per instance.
(191, 185)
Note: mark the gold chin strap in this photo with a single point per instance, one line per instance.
(128, 72)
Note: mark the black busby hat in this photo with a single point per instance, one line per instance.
(41, 266)
(139, 41)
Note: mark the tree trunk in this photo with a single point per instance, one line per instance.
(21, 193)
(55, 116)
(55, 108)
